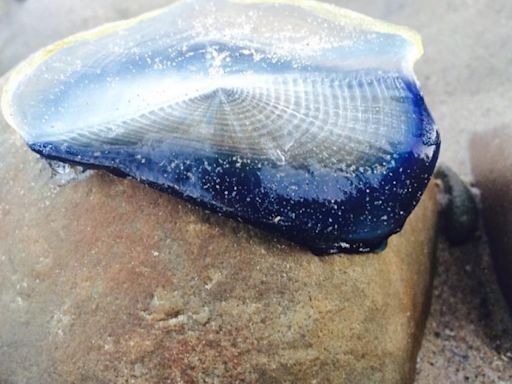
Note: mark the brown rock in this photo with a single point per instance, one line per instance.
(104, 280)
(491, 159)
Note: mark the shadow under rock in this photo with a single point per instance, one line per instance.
(466, 296)
(491, 162)
(468, 306)
(469, 330)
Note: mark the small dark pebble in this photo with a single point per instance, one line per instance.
(460, 212)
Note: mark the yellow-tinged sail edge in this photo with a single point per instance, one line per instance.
(29, 64)
(325, 10)
(345, 16)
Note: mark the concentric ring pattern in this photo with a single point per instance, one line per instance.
(298, 117)
(336, 121)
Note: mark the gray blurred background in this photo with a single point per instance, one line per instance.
(466, 75)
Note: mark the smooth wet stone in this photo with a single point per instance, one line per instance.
(491, 160)
(104, 280)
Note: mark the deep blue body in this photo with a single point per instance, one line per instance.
(306, 126)
(295, 203)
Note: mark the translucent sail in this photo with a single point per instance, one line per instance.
(298, 117)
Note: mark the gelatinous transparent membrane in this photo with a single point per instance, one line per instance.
(298, 117)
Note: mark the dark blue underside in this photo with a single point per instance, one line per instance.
(327, 211)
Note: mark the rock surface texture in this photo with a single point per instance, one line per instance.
(103, 280)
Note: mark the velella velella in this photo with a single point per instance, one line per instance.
(298, 117)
